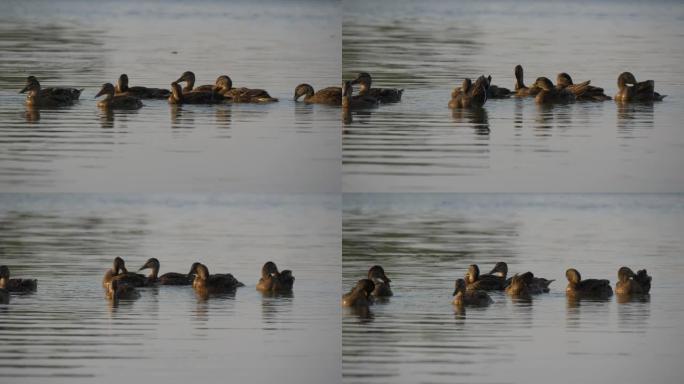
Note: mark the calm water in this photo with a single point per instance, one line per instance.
(275, 45)
(427, 241)
(68, 332)
(428, 47)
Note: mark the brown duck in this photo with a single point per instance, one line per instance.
(122, 89)
(630, 283)
(485, 282)
(224, 85)
(629, 89)
(469, 297)
(549, 94)
(120, 273)
(169, 278)
(195, 97)
(382, 283)
(37, 98)
(521, 90)
(273, 281)
(360, 295)
(470, 95)
(349, 101)
(383, 95)
(213, 283)
(116, 102)
(596, 288)
(60, 92)
(189, 78)
(590, 93)
(328, 96)
(16, 285)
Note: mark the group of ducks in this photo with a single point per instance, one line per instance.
(475, 94)
(121, 284)
(472, 289)
(122, 96)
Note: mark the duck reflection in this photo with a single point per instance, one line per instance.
(634, 116)
(181, 118)
(476, 117)
(106, 116)
(32, 114)
(274, 304)
(224, 116)
(634, 311)
(544, 119)
(363, 313)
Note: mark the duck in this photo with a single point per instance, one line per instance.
(500, 271)
(194, 97)
(273, 281)
(189, 78)
(591, 93)
(350, 102)
(518, 286)
(496, 92)
(630, 90)
(383, 95)
(224, 86)
(169, 278)
(630, 283)
(360, 295)
(382, 283)
(116, 102)
(122, 89)
(61, 92)
(4, 279)
(119, 273)
(549, 94)
(117, 290)
(16, 285)
(464, 297)
(521, 90)
(470, 95)
(485, 282)
(328, 96)
(597, 288)
(37, 98)
(532, 284)
(213, 283)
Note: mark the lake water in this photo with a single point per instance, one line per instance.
(428, 47)
(282, 147)
(426, 241)
(68, 332)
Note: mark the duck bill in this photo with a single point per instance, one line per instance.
(355, 81)
(180, 80)
(23, 90)
(99, 93)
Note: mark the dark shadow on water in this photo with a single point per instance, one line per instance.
(634, 312)
(363, 313)
(273, 305)
(224, 116)
(633, 118)
(181, 118)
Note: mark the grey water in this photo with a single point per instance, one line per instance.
(68, 331)
(426, 241)
(280, 147)
(513, 145)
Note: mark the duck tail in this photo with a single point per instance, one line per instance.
(580, 89)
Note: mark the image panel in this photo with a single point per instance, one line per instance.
(72, 329)
(501, 326)
(576, 140)
(241, 141)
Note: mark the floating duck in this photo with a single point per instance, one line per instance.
(350, 102)
(16, 285)
(597, 288)
(630, 283)
(224, 86)
(360, 295)
(37, 98)
(194, 97)
(122, 89)
(630, 90)
(469, 297)
(470, 95)
(581, 92)
(169, 278)
(485, 282)
(273, 281)
(382, 283)
(383, 95)
(116, 102)
(328, 96)
(213, 283)
(189, 78)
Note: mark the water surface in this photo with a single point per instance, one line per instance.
(428, 47)
(68, 332)
(280, 147)
(426, 241)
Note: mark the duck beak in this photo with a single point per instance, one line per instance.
(455, 292)
(23, 90)
(143, 267)
(355, 81)
(180, 80)
(99, 93)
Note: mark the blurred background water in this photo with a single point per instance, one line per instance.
(426, 241)
(68, 331)
(428, 47)
(281, 147)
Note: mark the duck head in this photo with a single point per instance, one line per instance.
(473, 274)
(563, 80)
(543, 83)
(573, 276)
(303, 90)
(376, 273)
(366, 286)
(625, 79)
(176, 92)
(500, 269)
(364, 80)
(269, 269)
(518, 285)
(200, 271)
(4, 276)
(107, 89)
(459, 286)
(625, 273)
(122, 83)
(119, 266)
(151, 263)
(32, 86)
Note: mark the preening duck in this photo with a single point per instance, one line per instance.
(273, 281)
(328, 96)
(360, 295)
